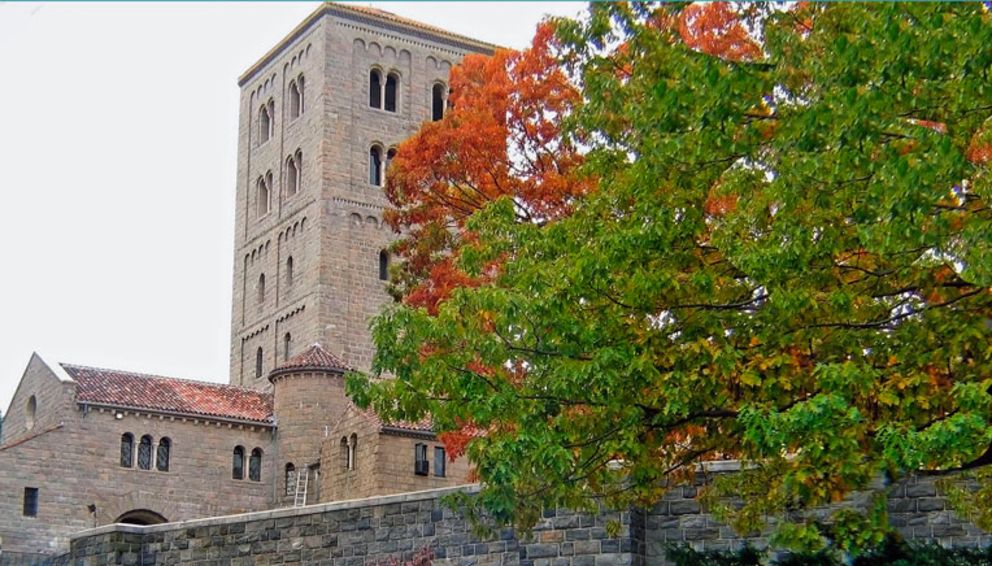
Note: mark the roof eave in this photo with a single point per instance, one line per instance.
(455, 40)
(198, 416)
(279, 372)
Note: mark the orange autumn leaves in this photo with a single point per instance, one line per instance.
(500, 138)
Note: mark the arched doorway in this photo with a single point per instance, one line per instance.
(141, 517)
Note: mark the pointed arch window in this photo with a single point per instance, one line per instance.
(266, 121)
(375, 165)
(289, 271)
(162, 454)
(438, 92)
(261, 288)
(375, 88)
(238, 465)
(127, 450)
(296, 97)
(145, 453)
(290, 479)
(258, 363)
(392, 92)
(264, 194)
(255, 465)
(294, 173)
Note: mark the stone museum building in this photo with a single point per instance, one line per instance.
(320, 117)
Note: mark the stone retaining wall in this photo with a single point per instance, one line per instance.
(376, 530)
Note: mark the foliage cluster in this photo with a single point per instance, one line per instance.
(674, 233)
(892, 553)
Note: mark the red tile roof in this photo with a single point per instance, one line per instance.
(423, 425)
(313, 358)
(168, 394)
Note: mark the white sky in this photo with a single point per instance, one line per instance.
(118, 141)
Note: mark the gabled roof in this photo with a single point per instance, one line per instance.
(128, 390)
(314, 358)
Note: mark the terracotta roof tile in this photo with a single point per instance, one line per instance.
(169, 394)
(314, 357)
(423, 425)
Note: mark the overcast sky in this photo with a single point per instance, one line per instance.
(118, 156)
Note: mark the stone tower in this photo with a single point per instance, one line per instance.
(320, 114)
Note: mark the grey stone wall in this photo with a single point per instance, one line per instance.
(359, 532)
(375, 530)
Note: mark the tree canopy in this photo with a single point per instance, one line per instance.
(772, 242)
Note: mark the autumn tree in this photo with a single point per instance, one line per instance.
(500, 137)
(786, 260)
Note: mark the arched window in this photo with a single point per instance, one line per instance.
(287, 340)
(437, 101)
(258, 363)
(264, 195)
(145, 453)
(292, 176)
(301, 84)
(345, 453)
(289, 271)
(162, 454)
(383, 265)
(290, 479)
(352, 451)
(375, 165)
(265, 121)
(30, 410)
(261, 288)
(392, 85)
(127, 450)
(238, 466)
(255, 465)
(375, 88)
(296, 97)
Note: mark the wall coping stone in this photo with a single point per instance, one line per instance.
(423, 495)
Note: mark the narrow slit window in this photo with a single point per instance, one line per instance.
(375, 89)
(30, 502)
(145, 453)
(353, 452)
(261, 288)
(264, 197)
(392, 85)
(255, 465)
(258, 363)
(162, 454)
(295, 99)
(287, 340)
(264, 124)
(439, 463)
(238, 465)
(437, 101)
(345, 453)
(127, 450)
(289, 271)
(290, 479)
(383, 265)
(375, 166)
(292, 176)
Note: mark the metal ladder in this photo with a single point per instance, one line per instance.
(300, 499)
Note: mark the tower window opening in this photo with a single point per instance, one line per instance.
(261, 288)
(289, 271)
(264, 195)
(383, 265)
(375, 165)
(375, 88)
(265, 121)
(392, 84)
(287, 340)
(258, 363)
(296, 97)
(352, 451)
(293, 173)
(437, 101)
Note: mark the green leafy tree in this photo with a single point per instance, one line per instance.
(787, 260)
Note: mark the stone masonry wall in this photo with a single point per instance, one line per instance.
(359, 532)
(375, 530)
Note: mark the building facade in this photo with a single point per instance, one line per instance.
(320, 116)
